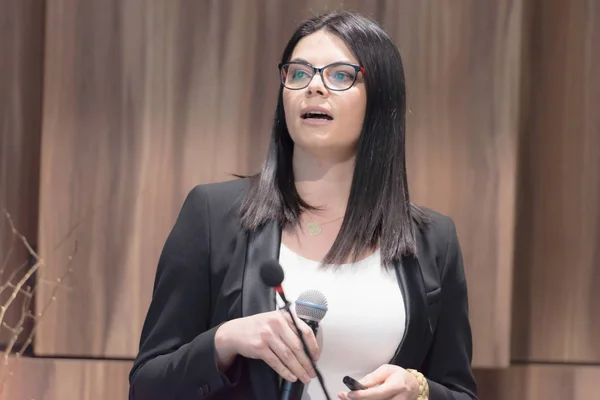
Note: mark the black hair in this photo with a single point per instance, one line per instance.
(379, 211)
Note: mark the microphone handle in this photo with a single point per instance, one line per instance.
(294, 390)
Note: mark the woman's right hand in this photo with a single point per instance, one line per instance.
(270, 337)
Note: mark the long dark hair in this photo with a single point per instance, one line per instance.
(379, 211)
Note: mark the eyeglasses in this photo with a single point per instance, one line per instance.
(337, 76)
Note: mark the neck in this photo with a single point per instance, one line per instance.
(323, 182)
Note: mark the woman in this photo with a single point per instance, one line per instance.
(331, 203)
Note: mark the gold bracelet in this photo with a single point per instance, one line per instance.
(423, 384)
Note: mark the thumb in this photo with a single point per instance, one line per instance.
(378, 376)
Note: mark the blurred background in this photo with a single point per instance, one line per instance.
(112, 110)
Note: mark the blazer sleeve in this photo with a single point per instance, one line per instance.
(176, 358)
(448, 363)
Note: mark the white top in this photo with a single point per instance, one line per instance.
(364, 324)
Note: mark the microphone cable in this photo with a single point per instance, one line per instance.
(312, 363)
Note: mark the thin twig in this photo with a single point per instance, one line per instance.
(25, 271)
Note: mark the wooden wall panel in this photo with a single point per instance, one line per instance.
(21, 71)
(539, 382)
(145, 99)
(462, 61)
(557, 279)
(56, 379)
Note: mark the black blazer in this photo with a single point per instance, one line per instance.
(208, 274)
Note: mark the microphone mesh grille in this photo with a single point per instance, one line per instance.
(311, 305)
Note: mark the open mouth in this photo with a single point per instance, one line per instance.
(317, 115)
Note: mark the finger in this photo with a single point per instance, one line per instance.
(275, 363)
(288, 358)
(310, 339)
(307, 334)
(378, 376)
(292, 341)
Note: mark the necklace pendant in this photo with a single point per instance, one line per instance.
(313, 228)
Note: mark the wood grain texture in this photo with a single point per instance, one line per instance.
(21, 71)
(462, 65)
(56, 379)
(536, 382)
(557, 280)
(145, 99)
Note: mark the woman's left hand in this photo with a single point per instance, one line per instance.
(388, 382)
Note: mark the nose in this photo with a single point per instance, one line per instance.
(316, 86)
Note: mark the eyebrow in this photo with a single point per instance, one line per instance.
(302, 60)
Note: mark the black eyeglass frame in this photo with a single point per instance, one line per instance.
(357, 68)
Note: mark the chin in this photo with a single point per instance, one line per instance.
(319, 138)
(324, 146)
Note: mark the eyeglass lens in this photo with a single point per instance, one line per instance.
(336, 76)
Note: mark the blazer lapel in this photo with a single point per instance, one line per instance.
(258, 298)
(411, 351)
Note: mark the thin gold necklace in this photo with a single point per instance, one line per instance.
(314, 229)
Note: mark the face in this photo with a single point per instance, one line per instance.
(339, 133)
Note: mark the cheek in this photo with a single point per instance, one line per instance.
(288, 106)
(354, 114)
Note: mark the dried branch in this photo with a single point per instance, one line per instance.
(17, 285)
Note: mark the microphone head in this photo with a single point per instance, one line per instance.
(311, 305)
(271, 273)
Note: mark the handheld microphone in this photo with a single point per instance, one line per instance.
(311, 307)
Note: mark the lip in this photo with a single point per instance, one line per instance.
(316, 109)
(315, 122)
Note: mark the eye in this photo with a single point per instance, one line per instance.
(298, 74)
(341, 76)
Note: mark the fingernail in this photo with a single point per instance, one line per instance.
(305, 378)
(292, 378)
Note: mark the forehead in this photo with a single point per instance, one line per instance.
(322, 48)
